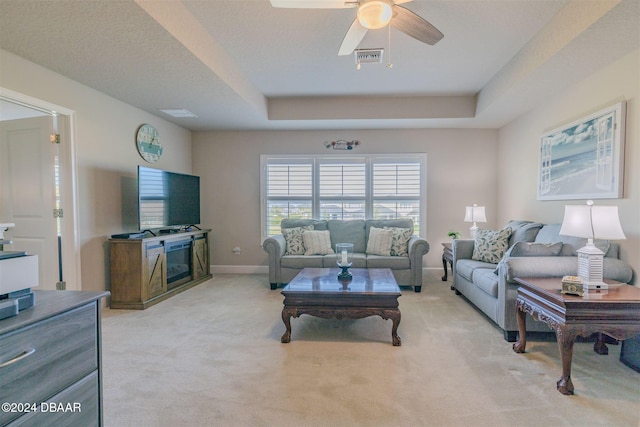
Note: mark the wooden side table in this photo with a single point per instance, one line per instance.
(615, 313)
(447, 257)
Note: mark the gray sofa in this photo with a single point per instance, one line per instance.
(543, 253)
(407, 269)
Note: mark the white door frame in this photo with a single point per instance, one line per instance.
(71, 239)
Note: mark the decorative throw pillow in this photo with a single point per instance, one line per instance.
(535, 249)
(401, 236)
(293, 237)
(317, 242)
(379, 242)
(490, 245)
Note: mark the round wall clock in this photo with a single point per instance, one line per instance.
(148, 143)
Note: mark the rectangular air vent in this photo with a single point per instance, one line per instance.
(368, 56)
(178, 112)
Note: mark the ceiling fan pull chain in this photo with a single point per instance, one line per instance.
(389, 64)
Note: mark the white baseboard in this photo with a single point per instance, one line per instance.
(239, 269)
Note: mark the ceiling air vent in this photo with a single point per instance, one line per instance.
(368, 56)
(178, 112)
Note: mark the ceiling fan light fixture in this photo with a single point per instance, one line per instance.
(374, 14)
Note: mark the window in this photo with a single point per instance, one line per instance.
(342, 187)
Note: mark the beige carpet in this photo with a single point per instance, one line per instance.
(212, 356)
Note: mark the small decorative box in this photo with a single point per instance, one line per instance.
(572, 285)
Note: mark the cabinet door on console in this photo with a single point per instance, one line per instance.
(154, 272)
(200, 257)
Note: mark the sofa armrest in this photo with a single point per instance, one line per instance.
(462, 249)
(275, 246)
(418, 247)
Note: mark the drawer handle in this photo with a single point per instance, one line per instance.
(18, 358)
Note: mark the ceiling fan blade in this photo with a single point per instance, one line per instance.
(413, 25)
(402, 1)
(311, 4)
(352, 39)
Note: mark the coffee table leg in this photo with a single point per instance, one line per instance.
(286, 318)
(521, 344)
(600, 346)
(565, 344)
(395, 318)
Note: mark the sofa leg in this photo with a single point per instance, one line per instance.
(511, 336)
(417, 289)
(274, 286)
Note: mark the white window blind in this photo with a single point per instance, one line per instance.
(342, 187)
(397, 189)
(289, 188)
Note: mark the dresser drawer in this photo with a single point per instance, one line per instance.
(41, 360)
(76, 406)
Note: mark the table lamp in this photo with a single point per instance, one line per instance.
(474, 214)
(591, 222)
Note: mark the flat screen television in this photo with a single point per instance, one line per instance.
(167, 199)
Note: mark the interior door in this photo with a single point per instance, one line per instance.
(27, 192)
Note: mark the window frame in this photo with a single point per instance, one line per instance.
(368, 159)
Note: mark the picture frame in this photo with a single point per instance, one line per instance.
(584, 159)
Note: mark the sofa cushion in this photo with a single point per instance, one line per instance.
(301, 261)
(348, 232)
(400, 244)
(535, 249)
(293, 237)
(551, 233)
(379, 242)
(317, 242)
(466, 267)
(490, 245)
(484, 279)
(382, 223)
(392, 262)
(523, 231)
(297, 222)
(357, 261)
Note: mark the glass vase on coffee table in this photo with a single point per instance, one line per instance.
(344, 254)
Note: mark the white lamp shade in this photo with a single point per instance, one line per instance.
(475, 214)
(592, 222)
(374, 14)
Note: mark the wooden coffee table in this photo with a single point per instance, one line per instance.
(317, 292)
(615, 313)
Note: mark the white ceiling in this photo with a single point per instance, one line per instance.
(242, 64)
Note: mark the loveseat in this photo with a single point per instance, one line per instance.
(530, 250)
(372, 248)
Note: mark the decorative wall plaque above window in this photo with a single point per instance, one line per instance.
(341, 144)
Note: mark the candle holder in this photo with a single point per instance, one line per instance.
(344, 254)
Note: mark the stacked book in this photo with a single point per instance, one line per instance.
(13, 302)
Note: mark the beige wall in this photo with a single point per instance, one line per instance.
(519, 143)
(494, 168)
(461, 169)
(105, 153)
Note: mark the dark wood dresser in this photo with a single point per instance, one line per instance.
(50, 361)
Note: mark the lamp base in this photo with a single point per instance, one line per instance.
(591, 267)
(590, 286)
(473, 230)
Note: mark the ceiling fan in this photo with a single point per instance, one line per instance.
(371, 15)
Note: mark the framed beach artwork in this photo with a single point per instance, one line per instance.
(584, 159)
